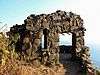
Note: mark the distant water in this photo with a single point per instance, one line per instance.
(95, 54)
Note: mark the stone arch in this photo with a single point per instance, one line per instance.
(51, 25)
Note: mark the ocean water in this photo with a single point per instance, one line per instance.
(95, 54)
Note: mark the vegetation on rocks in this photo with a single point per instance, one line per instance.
(21, 53)
(11, 66)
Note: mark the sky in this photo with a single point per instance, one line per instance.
(15, 11)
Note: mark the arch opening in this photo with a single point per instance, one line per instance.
(65, 43)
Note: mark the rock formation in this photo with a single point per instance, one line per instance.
(26, 39)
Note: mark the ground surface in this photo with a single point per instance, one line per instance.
(72, 68)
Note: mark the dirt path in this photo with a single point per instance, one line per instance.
(72, 68)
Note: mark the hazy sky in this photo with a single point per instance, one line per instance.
(15, 11)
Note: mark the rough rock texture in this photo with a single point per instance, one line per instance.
(25, 39)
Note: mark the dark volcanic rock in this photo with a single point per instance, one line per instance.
(26, 38)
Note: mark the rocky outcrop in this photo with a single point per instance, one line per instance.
(25, 39)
